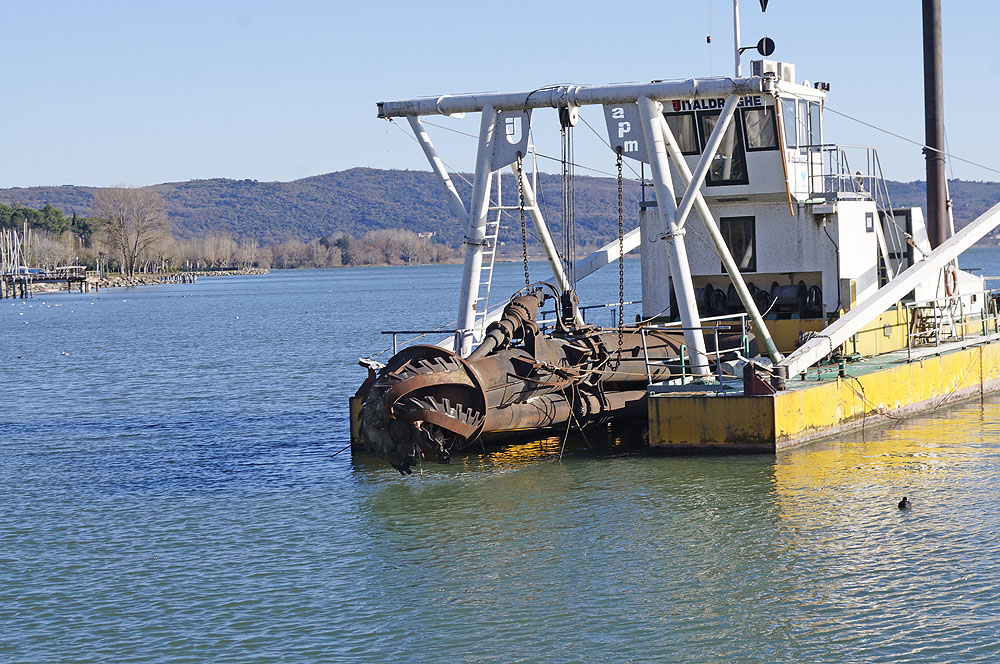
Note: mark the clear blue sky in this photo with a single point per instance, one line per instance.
(137, 93)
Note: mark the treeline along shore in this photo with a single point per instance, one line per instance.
(356, 217)
(134, 237)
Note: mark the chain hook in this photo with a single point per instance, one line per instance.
(524, 225)
(621, 266)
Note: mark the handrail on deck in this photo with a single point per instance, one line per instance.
(942, 313)
(743, 348)
(394, 334)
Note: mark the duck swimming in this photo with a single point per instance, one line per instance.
(904, 503)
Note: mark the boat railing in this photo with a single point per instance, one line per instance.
(952, 318)
(843, 169)
(686, 361)
(548, 316)
(422, 333)
(854, 171)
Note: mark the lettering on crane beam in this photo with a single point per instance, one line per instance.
(710, 104)
(624, 131)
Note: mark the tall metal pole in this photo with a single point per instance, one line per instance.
(937, 187)
(756, 319)
(707, 157)
(666, 206)
(475, 238)
(736, 36)
(439, 170)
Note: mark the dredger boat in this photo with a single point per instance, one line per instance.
(809, 304)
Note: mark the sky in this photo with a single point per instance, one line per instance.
(132, 93)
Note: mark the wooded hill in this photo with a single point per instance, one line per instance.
(362, 199)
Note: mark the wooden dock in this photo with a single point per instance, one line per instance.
(21, 283)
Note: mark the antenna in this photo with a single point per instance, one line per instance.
(765, 46)
(736, 37)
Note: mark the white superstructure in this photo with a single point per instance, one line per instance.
(782, 224)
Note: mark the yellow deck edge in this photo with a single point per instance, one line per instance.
(807, 413)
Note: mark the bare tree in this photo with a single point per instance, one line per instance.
(247, 252)
(48, 251)
(134, 219)
(218, 248)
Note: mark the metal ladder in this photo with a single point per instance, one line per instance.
(494, 213)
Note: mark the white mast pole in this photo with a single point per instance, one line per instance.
(442, 173)
(736, 36)
(666, 207)
(759, 326)
(475, 238)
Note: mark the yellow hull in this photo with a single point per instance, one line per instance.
(873, 392)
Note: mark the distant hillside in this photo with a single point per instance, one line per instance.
(362, 199)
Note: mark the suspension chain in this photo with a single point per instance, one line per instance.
(524, 225)
(621, 268)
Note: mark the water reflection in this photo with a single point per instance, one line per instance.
(803, 555)
(935, 452)
(885, 579)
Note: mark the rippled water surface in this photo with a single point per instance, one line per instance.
(170, 491)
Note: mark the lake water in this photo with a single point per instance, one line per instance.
(171, 491)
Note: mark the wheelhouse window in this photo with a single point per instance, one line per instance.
(761, 128)
(788, 119)
(815, 133)
(740, 236)
(729, 165)
(685, 131)
(802, 123)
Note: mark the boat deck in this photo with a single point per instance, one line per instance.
(822, 402)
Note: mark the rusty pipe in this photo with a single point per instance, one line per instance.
(518, 315)
(554, 409)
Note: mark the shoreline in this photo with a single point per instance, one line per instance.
(154, 279)
(121, 281)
